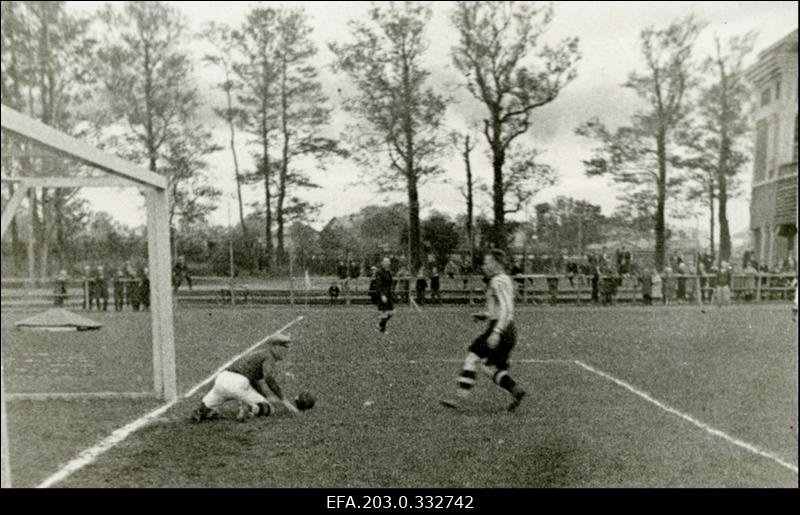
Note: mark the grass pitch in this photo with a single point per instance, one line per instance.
(378, 423)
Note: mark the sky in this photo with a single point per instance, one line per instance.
(609, 44)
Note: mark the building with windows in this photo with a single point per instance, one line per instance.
(773, 203)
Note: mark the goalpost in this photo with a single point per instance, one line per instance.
(116, 173)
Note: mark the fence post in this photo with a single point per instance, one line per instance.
(698, 290)
(524, 289)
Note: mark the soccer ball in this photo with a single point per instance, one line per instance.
(304, 401)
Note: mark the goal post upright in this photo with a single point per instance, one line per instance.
(118, 173)
(159, 257)
(6, 471)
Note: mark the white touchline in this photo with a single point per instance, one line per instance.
(91, 454)
(702, 425)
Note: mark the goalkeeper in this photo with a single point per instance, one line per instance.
(249, 380)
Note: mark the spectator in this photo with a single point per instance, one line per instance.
(680, 270)
(450, 270)
(646, 282)
(334, 291)
(658, 286)
(465, 271)
(88, 288)
(133, 285)
(404, 282)
(722, 293)
(572, 271)
(627, 261)
(374, 296)
(702, 270)
(435, 286)
(552, 288)
(422, 285)
(747, 258)
(516, 274)
(143, 289)
(101, 287)
(750, 282)
(355, 273)
(129, 272)
(119, 289)
(180, 272)
(594, 270)
(60, 288)
(668, 285)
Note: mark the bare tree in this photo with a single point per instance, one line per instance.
(401, 118)
(511, 73)
(639, 155)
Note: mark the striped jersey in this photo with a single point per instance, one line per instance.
(500, 299)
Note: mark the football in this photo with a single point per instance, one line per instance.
(304, 401)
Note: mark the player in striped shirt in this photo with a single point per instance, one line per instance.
(248, 380)
(491, 350)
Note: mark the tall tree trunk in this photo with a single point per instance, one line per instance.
(660, 228)
(152, 151)
(411, 173)
(32, 230)
(724, 228)
(500, 237)
(284, 174)
(232, 129)
(711, 219)
(44, 240)
(470, 205)
(722, 181)
(722, 165)
(58, 209)
(413, 224)
(265, 163)
(268, 206)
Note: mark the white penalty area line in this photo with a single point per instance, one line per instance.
(90, 455)
(702, 425)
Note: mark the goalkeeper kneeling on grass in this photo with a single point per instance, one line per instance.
(250, 380)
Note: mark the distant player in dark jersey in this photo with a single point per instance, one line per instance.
(491, 350)
(383, 286)
(249, 380)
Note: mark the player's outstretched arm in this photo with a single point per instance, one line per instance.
(276, 389)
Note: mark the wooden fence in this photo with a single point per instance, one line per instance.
(531, 289)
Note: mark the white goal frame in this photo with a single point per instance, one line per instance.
(119, 173)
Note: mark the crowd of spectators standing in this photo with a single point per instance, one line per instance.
(126, 285)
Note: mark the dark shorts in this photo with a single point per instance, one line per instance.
(497, 357)
(385, 306)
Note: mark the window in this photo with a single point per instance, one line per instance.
(766, 96)
(760, 163)
(772, 146)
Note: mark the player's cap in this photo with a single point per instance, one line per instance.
(281, 340)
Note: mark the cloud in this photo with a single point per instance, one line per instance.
(608, 32)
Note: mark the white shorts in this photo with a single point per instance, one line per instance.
(233, 386)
